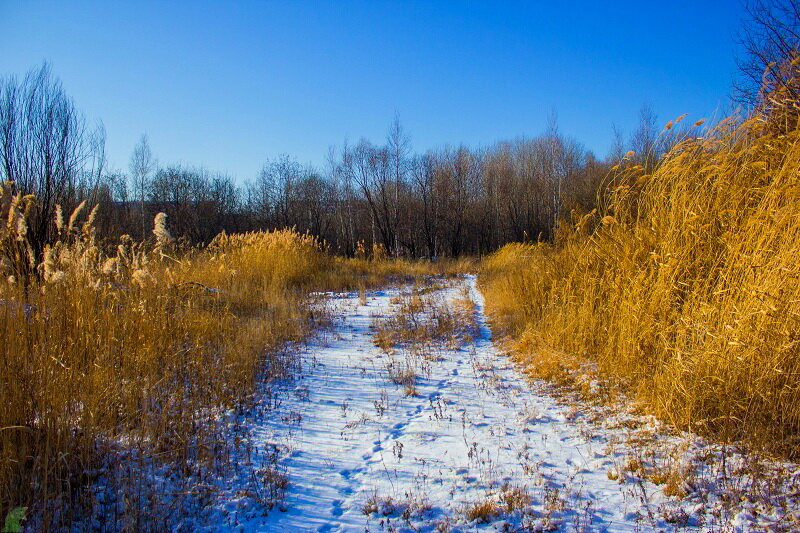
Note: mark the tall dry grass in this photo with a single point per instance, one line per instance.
(143, 347)
(683, 287)
(376, 268)
(121, 364)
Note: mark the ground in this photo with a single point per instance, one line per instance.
(439, 431)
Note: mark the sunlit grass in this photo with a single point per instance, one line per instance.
(683, 287)
(144, 346)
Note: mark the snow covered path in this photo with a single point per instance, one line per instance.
(362, 454)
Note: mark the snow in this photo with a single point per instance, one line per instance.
(361, 454)
(336, 439)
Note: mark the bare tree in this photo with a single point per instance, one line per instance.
(46, 148)
(399, 148)
(617, 151)
(552, 151)
(423, 176)
(770, 39)
(278, 183)
(449, 201)
(344, 199)
(644, 140)
(142, 166)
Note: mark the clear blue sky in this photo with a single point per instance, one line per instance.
(227, 85)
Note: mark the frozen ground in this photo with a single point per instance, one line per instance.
(471, 446)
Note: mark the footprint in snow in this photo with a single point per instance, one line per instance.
(336, 508)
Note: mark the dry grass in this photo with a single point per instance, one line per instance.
(422, 320)
(684, 286)
(145, 348)
(420, 325)
(406, 509)
(483, 512)
(365, 272)
(505, 501)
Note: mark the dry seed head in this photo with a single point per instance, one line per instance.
(160, 229)
(59, 218)
(22, 227)
(29, 200)
(13, 212)
(90, 221)
(631, 153)
(110, 266)
(49, 263)
(122, 253)
(700, 122)
(65, 255)
(74, 215)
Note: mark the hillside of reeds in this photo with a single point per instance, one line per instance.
(116, 358)
(682, 288)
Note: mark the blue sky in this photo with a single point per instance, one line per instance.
(228, 85)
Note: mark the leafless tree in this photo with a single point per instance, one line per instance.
(617, 151)
(345, 202)
(46, 148)
(770, 39)
(398, 146)
(644, 141)
(449, 201)
(279, 181)
(422, 179)
(141, 167)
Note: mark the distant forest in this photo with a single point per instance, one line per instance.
(447, 201)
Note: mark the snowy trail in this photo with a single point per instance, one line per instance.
(361, 455)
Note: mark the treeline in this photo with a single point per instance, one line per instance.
(448, 201)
